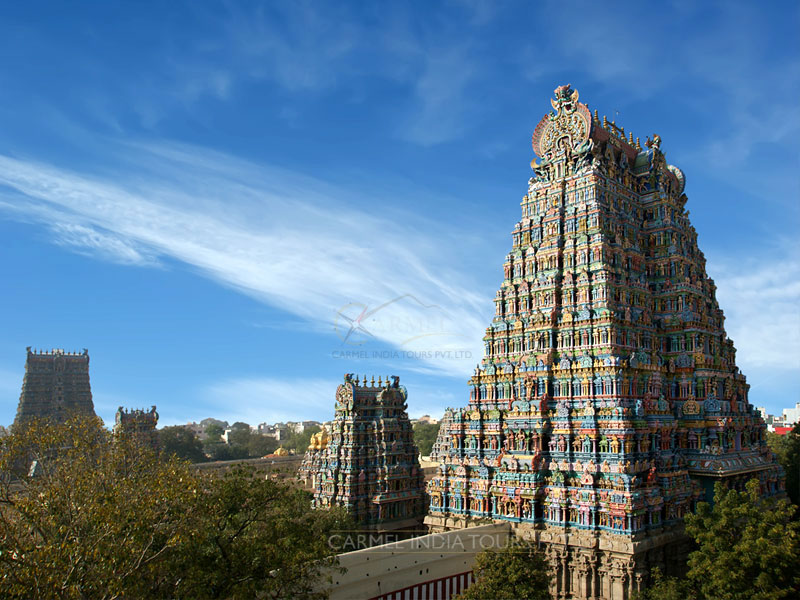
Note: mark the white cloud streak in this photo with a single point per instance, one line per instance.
(283, 238)
(760, 299)
(266, 399)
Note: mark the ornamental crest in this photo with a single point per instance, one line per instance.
(691, 407)
(568, 128)
(344, 395)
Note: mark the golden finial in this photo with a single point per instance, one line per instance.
(605, 122)
(372, 381)
(380, 383)
(638, 144)
(596, 118)
(630, 138)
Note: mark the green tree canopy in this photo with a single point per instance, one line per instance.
(787, 450)
(299, 441)
(112, 520)
(424, 437)
(748, 549)
(519, 570)
(239, 436)
(261, 445)
(214, 432)
(181, 442)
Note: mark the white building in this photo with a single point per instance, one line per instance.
(791, 415)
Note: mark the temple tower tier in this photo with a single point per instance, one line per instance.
(608, 401)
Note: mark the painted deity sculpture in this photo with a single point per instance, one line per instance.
(607, 345)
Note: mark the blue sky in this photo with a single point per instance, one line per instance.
(204, 195)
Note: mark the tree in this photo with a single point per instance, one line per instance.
(299, 441)
(748, 549)
(180, 441)
(748, 546)
(214, 432)
(103, 519)
(261, 445)
(258, 539)
(787, 450)
(667, 588)
(222, 451)
(95, 520)
(424, 437)
(239, 436)
(519, 570)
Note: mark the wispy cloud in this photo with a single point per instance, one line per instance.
(92, 241)
(441, 99)
(260, 399)
(288, 240)
(275, 399)
(760, 297)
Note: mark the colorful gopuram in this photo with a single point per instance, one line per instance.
(55, 386)
(441, 447)
(309, 467)
(608, 401)
(371, 465)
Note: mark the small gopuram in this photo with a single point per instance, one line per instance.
(441, 447)
(138, 423)
(309, 470)
(55, 386)
(608, 401)
(371, 465)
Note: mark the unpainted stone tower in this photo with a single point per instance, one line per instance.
(55, 386)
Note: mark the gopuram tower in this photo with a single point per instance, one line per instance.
(139, 424)
(370, 465)
(608, 401)
(55, 386)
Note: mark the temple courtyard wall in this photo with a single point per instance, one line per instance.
(437, 565)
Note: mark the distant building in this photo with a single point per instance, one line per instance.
(279, 431)
(196, 428)
(55, 386)
(427, 419)
(301, 426)
(138, 423)
(791, 415)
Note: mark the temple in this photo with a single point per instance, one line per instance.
(309, 470)
(441, 447)
(55, 386)
(608, 401)
(138, 423)
(370, 465)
